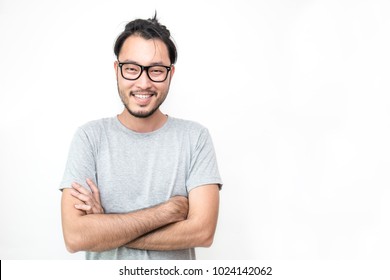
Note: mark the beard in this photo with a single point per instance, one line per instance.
(140, 112)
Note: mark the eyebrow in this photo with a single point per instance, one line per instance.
(135, 62)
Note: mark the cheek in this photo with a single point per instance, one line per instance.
(122, 91)
(124, 86)
(164, 88)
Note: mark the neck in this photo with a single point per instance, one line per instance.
(142, 125)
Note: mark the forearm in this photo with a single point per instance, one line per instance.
(103, 232)
(100, 232)
(196, 231)
(180, 235)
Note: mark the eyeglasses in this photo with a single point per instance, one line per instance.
(132, 71)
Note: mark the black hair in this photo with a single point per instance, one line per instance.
(147, 29)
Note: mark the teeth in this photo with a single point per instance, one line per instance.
(142, 96)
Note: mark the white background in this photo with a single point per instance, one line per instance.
(294, 93)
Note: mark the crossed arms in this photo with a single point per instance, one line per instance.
(178, 223)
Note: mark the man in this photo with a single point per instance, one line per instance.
(141, 185)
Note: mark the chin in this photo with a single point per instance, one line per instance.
(141, 114)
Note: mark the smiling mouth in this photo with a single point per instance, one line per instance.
(142, 96)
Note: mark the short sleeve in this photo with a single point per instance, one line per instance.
(81, 162)
(203, 166)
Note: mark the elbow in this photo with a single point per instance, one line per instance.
(76, 243)
(207, 239)
(204, 234)
(72, 244)
(207, 243)
(71, 248)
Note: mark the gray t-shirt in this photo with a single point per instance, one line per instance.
(138, 170)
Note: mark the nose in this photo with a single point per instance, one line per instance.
(143, 82)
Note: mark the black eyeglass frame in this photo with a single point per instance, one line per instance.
(120, 64)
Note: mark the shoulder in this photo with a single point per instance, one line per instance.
(96, 125)
(195, 133)
(93, 131)
(187, 125)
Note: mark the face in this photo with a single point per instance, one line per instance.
(143, 97)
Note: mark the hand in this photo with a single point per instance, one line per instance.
(178, 207)
(92, 203)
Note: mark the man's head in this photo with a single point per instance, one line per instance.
(147, 29)
(144, 67)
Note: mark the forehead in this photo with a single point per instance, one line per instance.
(144, 51)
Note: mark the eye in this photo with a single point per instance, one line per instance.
(156, 71)
(131, 68)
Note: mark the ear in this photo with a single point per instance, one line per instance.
(172, 71)
(116, 67)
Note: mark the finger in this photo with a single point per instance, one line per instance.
(84, 198)
(94, 189)
(80, 188)
(92, 185)
(83, 207)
